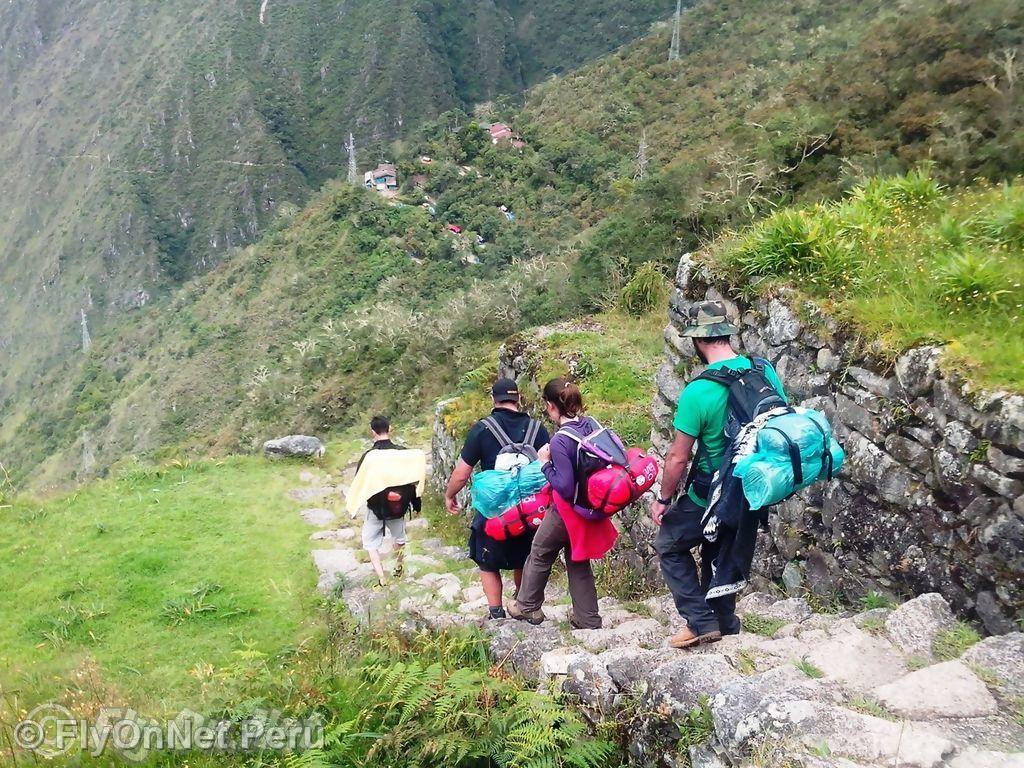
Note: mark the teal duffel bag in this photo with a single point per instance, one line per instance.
(495, 490)
(793, 450)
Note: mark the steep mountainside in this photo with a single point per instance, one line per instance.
(353, 304)
(140, 141)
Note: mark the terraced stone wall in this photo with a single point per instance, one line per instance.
(931, 497)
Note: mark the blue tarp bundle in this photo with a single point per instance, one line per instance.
(767, 473)
(494, 490)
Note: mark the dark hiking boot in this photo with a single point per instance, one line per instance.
(517, 613)
(690, 639)
(495, 613)
(575, 623)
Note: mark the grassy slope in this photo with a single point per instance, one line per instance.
(88, 577)
(907, 263)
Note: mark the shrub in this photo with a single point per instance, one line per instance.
(797, 243)
(953, 231)
(915, 190)
(437, 715)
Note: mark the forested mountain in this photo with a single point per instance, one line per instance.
(353, 303)
(140, 141)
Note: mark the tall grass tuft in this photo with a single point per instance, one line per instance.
(969, 280)
(646, 290)
(886, 194)
(1004, 224)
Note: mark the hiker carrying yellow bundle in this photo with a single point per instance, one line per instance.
(388, 486)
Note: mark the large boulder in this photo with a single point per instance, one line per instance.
(294, 446)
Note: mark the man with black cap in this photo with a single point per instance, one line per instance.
(700, 419)
(506, 437)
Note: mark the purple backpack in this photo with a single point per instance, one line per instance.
(599, 450)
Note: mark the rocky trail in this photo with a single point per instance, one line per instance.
(883, 687)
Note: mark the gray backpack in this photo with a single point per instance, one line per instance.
(513, 455)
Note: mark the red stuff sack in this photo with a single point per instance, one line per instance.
(615, 487)
(516, 520)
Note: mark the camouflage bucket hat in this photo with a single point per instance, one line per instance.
(708, 320)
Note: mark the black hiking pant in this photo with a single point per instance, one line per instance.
(681, 532)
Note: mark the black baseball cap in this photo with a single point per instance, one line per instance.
(505, 391)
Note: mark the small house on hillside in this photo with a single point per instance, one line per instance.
(383, 178)
(500, 133)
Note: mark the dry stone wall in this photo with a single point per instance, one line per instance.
(931, 497)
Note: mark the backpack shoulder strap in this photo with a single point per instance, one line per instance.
(495, 429)
(575, 436)
(724, 376)
(532, 430)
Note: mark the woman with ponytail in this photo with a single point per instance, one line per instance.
(564, 529)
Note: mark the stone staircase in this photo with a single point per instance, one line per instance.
(795, 689)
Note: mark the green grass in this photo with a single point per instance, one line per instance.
(809, 669)
(615, 368)
(874, 600)
(868, 706)
(146, 586)
(907, 262)
(762, 625)
(951, 643)
(696, 727)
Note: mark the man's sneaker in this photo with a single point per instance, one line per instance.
(496, 612)
(517, 613)
(690, 639)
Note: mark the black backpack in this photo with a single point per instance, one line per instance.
(750, 395)
(392, 503)
(513, 454)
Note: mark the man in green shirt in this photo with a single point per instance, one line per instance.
(700, 419)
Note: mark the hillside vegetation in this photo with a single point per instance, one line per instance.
(353, 305)
(908, 263)
(144, 140)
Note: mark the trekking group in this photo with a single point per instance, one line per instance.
(536, 495)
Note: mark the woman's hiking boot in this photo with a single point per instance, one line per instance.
(690, 639)
(517, 613)
(496, 613)
(575, 623)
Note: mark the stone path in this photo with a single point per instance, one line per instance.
(862, 690)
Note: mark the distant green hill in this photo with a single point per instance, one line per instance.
(143, 140)
(352, 304)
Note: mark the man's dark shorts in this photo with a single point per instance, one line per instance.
(493, 556)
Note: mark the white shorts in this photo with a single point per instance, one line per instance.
(374, 528)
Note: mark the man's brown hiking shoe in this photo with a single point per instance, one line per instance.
(690, 639)
(517, 613)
